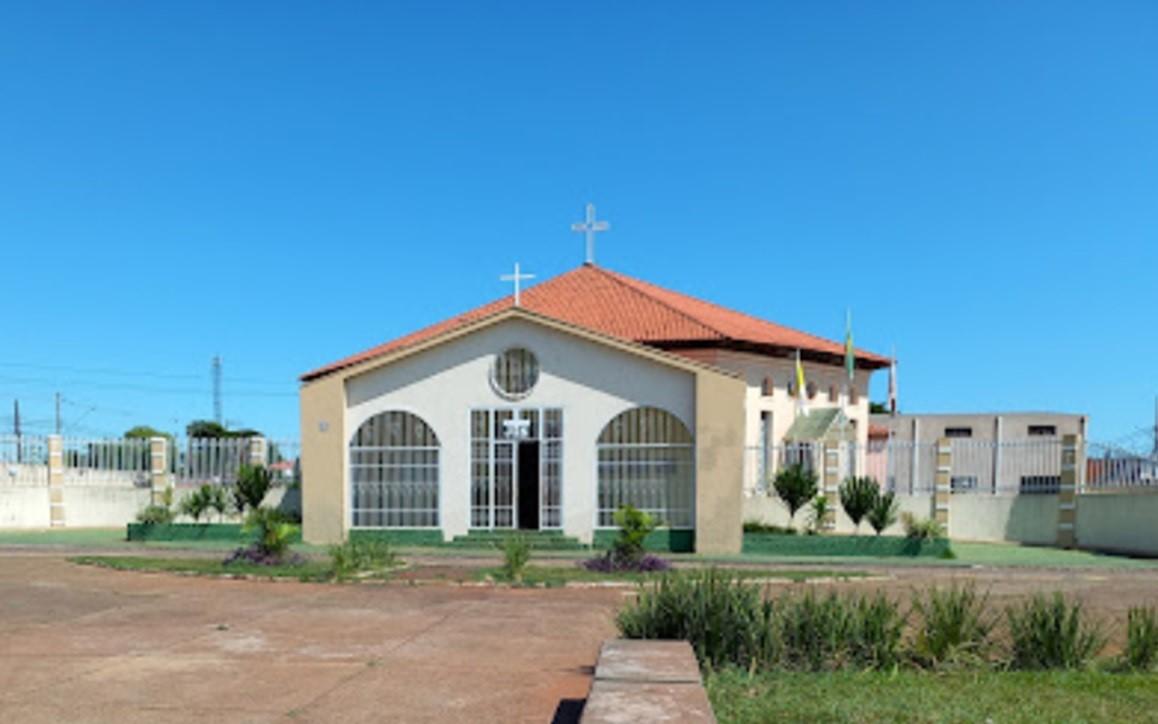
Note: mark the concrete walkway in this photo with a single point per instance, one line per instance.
(87, 644)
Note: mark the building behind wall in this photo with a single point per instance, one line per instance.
(1000, 452)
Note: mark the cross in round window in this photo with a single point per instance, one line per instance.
(515, 372)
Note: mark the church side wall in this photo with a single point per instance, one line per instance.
(591, 383)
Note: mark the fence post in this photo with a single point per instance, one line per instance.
(1067, 496)
(55, 481)
(257, 450)
(159, 468)
(942, 481)
(831, 482)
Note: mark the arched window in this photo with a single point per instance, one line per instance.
(646, 459)
(394, 473)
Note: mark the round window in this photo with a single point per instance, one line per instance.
(515, 372)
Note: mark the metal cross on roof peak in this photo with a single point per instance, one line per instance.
(517, 278)
(590, 227)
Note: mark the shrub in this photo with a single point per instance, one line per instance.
(755, 526)
(516, 553)
(158, 513)
(627, 552)
(813, 631)
(858, 495)
(1141, 639)
(218, 501)
(884, 512)
(874, 632)
(634, 528)
(273, 533)
(1051, 633)
(722, 617)
(361, 556)
(922, 529)
(253, 482)
(795, 486)
(819, 515)
(955, 626)
(196, 504)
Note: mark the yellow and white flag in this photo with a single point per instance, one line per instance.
(801, 387)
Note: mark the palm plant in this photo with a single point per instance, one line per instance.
(858, 495)
(795, 486)
(884, 512)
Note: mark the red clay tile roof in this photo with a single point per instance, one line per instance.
(620, 306)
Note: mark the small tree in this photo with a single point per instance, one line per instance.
(857, 497)
(197, 503)
(253, 482)
(795, 486)
(884, 512)
(820, 510)
(634, 528)
(218, 501)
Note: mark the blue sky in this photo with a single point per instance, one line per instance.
(286, 183)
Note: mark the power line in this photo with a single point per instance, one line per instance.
(139, 388)
(128, 373)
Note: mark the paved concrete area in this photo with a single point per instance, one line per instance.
(85, 644)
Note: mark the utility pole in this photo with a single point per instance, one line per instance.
(216, 374)
(16, 430)
(58, 424)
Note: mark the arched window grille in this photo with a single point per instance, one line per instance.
(647, 460)
(394, 472)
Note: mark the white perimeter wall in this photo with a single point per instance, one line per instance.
(590, 382)
(1119, 522)
(1013, 518)
(771, 511)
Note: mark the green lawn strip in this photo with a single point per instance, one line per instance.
(308, 570)
(913, 696)
(551, 576)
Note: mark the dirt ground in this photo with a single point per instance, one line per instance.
(87, 644)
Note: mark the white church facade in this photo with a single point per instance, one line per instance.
(548, 412)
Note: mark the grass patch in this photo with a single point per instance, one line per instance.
(913, 696)
(309, 570)
(551, 576)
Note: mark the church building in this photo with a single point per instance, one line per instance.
(549, 409)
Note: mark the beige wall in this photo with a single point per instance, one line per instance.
(1118, 522)
(1028, 519)
(719, 463)
(987, 426)
(323, 414)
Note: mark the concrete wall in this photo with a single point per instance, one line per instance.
(771, 511)
(1010, 518)
(24, 506)
(1118, 522)
(101, 499)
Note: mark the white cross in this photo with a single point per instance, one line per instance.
(517, 278)
(590, 227)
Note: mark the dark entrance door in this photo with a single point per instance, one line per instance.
(528, 485)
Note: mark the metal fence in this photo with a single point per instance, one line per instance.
(1110, 468)
(1026, 466)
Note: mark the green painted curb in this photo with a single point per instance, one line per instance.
(194, 531)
